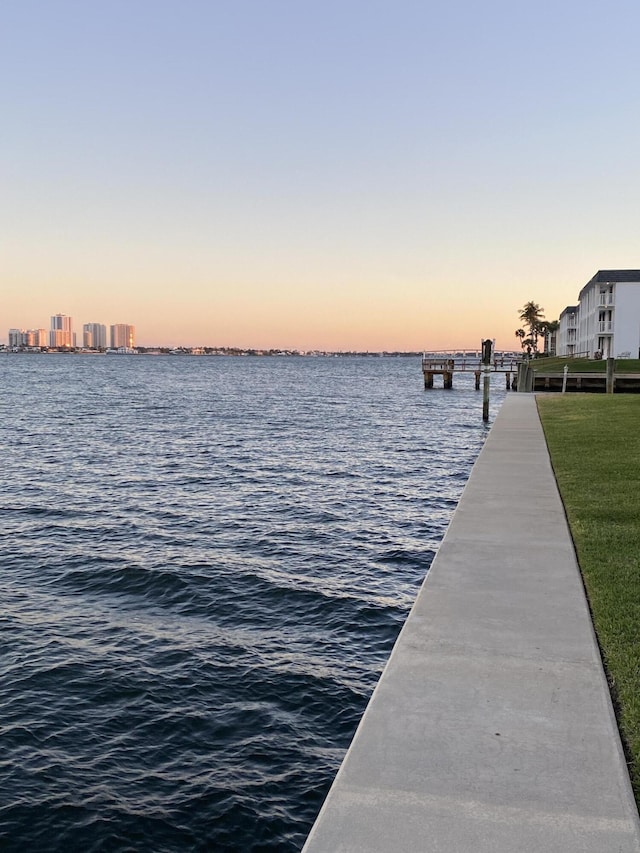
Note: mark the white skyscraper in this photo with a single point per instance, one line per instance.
(27, 338)
(61, 334)
(94, 336)
(123, 335)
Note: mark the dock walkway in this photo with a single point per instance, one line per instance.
(491, 729)
(447, 366)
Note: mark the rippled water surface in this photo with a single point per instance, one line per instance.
(205, 563)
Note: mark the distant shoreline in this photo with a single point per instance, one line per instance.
(215, 352)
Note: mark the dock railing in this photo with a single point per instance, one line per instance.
(461, 362)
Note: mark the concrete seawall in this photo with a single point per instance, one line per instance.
(491, 729)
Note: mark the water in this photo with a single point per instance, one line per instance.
(205, 563)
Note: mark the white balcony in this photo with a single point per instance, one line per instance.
(606, 299)
(605, 327)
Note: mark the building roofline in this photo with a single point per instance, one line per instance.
(610, 276)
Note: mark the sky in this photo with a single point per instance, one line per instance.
(314, 175)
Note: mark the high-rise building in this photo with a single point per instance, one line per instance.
(94, 336)
(61, 334)
(27, 338)
(123, 335)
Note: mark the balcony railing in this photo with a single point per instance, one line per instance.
(605, 326)
(606, 299)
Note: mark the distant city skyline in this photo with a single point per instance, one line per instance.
(61, 335)
(336, 176)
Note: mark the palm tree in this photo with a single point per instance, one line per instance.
(532, 315)
(525, 342)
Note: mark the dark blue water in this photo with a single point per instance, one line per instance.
(205, 563)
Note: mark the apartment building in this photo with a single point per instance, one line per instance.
(61, 335)
(568, 331)
(123, 336)
(606, 321)
(94, 336)
(19, 338)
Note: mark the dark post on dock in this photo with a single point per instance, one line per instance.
(487, 346)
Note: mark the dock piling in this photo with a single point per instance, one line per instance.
(611, 379)
(487, 346)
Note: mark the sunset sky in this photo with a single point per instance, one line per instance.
(337, 175)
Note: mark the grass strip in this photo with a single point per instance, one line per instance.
(576, 365)
(594, 443)
(584, 365)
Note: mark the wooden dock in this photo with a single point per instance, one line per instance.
(447, 366)
(532, 378)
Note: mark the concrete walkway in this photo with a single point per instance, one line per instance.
(491, 729)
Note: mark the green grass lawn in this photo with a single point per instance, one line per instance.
(594, 442)
(576, 365)
(584, 365)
